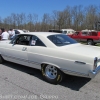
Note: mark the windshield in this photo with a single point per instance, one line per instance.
(61, 40)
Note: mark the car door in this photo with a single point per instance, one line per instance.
(84, 36)
(75, 36)
(35, 54)
(17, 49)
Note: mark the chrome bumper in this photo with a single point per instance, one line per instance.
(93, 73)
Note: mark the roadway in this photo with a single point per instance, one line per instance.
(19, 82)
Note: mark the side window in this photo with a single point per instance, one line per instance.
(23, 40)
(94, 33)
(36, 41)
(64, 32)
(84, 33)
(76, 33)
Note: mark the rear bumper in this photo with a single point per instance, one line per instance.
(93, 73)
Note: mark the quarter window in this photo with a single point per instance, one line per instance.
(36, 42)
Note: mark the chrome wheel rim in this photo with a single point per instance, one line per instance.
(51, 71)
(89, 43)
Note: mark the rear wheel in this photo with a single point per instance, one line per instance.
(52, 74)
(90, 42)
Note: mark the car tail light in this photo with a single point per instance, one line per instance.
(95, 63)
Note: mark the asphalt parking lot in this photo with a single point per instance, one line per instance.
(19, 82)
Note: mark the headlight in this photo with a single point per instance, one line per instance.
(95, 62)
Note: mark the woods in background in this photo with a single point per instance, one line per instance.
(77, 18)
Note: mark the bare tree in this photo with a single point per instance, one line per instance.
(30, 21)
(67, 17)
(13, 17)
(58, 19)
(77, 13)
(91, 15)
(77, 17)
(7, 22)
(1, 22)
(45, 22)
(35, 22)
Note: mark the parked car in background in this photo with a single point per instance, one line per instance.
(68, 31)
(90, 37)
(17, 31)
(64, 31)
(26, 31)
(55, 30)
(54, 54)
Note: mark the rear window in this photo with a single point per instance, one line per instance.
(61, 40)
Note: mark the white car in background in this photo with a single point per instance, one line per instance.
(18, 31)
(52, 53)
(68, 31)
(26, 31)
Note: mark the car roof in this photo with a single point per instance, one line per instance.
(41, 33)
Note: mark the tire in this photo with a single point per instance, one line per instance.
(94, 43)
(51, 74)
(90, 42)
(1, 59)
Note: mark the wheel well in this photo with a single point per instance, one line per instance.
(1, 55)
(44, 64)
(89, 39)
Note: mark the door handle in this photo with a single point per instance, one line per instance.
(24, 49)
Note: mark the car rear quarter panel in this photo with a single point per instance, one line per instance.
(60, 58)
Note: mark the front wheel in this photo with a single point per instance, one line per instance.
(52, 74)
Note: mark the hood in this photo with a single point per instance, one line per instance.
(86, 50)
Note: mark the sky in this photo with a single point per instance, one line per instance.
(39, 7)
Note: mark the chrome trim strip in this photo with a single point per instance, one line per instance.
(36, 63)
(74, 72)
(15, 58)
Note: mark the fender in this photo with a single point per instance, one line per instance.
(50, 64)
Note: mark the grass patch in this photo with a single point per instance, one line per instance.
(98, 44)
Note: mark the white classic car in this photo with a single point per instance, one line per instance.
(52, 53)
